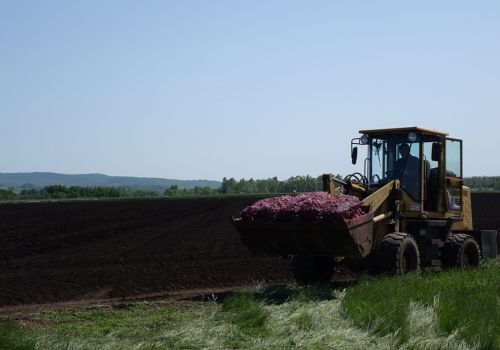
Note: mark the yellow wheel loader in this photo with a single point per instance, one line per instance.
(418, 213)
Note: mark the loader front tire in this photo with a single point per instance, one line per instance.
(312, 269)
(461, 250)
(398, 254)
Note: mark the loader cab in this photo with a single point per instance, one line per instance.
(395, 156)
(426, 162)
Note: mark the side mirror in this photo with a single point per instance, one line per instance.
(436, 151)
(354, 155)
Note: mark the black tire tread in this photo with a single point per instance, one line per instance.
(390, 250)
(452, 250)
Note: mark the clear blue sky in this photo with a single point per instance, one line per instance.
(206, 89)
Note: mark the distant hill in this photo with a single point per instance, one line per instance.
(41, 179)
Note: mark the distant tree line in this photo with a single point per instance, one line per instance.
(70, 192)
(7, 195)
(272, 185)
(229, 186)
(483, 182)
(175, 191)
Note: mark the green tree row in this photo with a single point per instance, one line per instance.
(271, 185)
(63, 192)
(175, 191)
(232, 186)
(229, 186)
(7, 195)
(483, 182)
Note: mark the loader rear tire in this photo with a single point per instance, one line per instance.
(312, 269)
(398, 254)
(461, 250)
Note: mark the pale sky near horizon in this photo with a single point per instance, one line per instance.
(207, 89)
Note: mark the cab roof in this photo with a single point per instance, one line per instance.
(401, 130)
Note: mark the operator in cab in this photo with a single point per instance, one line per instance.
(407, 169)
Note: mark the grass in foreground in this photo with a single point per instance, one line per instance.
(465, 303)
(13, 337)
(450, 310)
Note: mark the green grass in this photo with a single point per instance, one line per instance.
(449, 310)
(244, 311)
(465, 303)
(13, 337)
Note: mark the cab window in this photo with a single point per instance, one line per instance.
(396, 157)
(453, 170)
(453, 158)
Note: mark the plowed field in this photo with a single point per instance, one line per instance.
(101, 250)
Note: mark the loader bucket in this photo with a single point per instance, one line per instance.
(350, 239)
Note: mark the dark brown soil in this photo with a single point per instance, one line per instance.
(486, 211)
(106, 250)
(98, 250)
